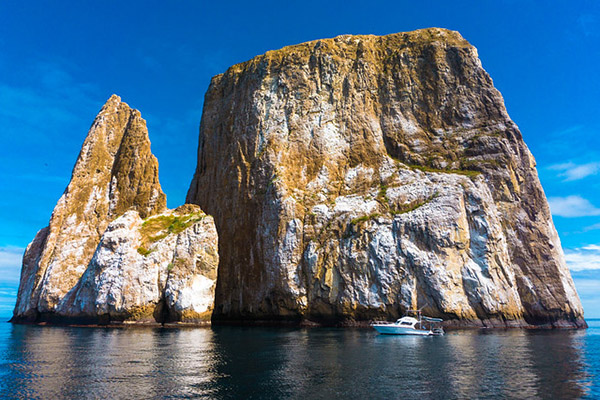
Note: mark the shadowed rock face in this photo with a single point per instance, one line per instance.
(357, 177)
(115, 172)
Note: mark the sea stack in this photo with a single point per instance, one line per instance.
(348, 179)
(357, 177)
(108, 228)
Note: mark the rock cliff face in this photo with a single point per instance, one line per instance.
(162, 269)
(357, 177)
(82, 265)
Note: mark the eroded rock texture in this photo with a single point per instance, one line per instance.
(116, 173)
(357, 177)
(162, 269)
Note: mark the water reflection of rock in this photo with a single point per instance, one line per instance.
(492, 365)
(53, 362)
(253, 361)
(560, 361)
(238, 362)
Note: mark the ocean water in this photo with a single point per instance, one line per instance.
(299, 363)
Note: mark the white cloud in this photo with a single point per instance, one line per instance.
(587, 287)
(10, 256)
(592, 227)
(10, 263)
(583, 258)
(573, 172)
(591, 247)
(568, 131)
(589, 293)
(572, 206)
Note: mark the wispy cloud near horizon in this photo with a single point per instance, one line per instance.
(572, 172)
(569, 130)
(583, 258)
(592, 227)
(10, 263)
(572, 207)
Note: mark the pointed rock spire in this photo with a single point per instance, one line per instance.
(115, 171)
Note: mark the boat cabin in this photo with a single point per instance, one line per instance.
(407, 321)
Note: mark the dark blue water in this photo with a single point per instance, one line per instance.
(244, 362)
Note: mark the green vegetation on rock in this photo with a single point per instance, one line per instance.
(413, 205)
(364, 218)
(157, 228)
(466, 172)
(144, 251)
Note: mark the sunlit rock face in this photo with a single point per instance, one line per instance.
(89, 236)
(162, 269)
(358, 177)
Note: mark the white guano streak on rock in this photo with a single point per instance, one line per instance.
(120, 280)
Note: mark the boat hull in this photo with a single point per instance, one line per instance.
(389, 329)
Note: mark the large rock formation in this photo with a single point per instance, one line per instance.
(116, 173)
(357, 177)
(349, 179)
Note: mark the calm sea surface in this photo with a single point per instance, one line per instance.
(256, 362)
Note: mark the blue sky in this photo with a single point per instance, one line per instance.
(60, 61)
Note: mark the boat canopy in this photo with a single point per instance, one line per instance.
(429, 319)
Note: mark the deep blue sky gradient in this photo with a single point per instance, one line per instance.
(60, 61)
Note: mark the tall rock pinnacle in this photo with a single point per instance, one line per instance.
(358, 177)
(115, 172)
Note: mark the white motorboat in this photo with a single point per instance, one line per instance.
(407, 325)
